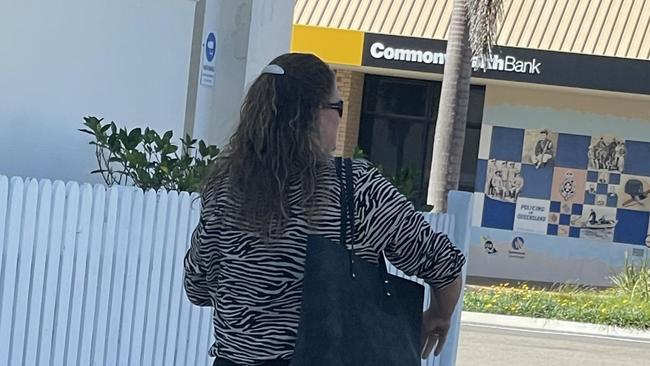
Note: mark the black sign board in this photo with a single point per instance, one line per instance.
(514, 64)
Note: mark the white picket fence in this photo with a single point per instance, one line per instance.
(93, 275)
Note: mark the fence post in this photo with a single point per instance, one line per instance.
(460, 207)
(10, 257)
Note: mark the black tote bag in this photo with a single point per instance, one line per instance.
(354, 313)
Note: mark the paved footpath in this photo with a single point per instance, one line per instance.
(501, 340)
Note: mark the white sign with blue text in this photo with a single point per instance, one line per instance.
(208, 61)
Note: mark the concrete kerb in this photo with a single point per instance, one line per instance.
(552, 326)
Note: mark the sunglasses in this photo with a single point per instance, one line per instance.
(338, 106)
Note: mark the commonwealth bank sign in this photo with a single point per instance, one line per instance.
(505, 63)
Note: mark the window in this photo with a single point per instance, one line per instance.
(472, 138)
(398, 126)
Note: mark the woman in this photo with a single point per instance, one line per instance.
(275, 184)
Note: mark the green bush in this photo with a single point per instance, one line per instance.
(585, 305)
(148, 160)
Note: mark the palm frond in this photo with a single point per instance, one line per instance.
(483, 18)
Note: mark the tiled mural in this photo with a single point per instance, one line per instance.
(577, 186)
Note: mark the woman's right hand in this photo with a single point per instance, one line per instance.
(436, 321)
(434, 332)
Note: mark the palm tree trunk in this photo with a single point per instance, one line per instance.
(460, 122)
(452, 113)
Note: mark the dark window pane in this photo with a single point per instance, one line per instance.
(472, 138)
(396, 96)
(475, 110)
(397, 130)
(366, 130)
(394, 143)
(470, 156)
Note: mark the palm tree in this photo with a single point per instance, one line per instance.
(472, 32)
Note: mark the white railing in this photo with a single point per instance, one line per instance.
(93, 275)
(456, 223)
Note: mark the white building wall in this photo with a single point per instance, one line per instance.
(123, 60)
(250, 33)
(127, 61)
(270, 34)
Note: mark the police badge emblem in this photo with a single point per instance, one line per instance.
(568, 187)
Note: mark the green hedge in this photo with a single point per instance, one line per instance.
(610, 307)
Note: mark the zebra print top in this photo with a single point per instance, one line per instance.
(255, 287)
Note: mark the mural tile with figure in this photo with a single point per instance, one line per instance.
(504, 180)
(540, 147)
(607, 152)
(597, 222)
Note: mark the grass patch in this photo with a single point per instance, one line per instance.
(634, 280)
(611, 307)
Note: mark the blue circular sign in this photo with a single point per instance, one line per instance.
(517, 243)
(210, 47)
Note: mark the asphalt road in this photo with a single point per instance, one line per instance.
(494, 346)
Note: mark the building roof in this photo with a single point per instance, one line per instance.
(619, 28)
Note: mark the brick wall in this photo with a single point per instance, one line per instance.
(350, 85)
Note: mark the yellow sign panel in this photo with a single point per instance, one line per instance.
(334, 46)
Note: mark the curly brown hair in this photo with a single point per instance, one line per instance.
(277, 142)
